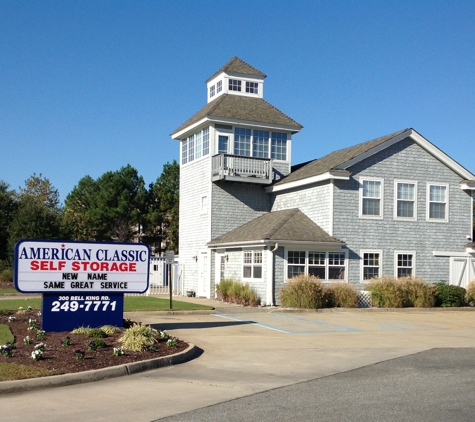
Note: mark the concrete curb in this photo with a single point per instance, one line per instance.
(98, 374)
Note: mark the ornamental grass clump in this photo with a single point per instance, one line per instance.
(231, 290)
(138, 337)
(340, 295)
(224, 287)
(418, 293)
(471, 293)
(302, 291)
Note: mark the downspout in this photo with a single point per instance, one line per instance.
(270, 276)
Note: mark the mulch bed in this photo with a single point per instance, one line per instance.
(62, 359)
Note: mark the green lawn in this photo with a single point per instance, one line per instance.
(8, 291)
(131, 304)
(13, 371)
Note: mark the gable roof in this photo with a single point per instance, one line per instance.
(236, 65)
(246, 109)
(336, 163)
(278, 226)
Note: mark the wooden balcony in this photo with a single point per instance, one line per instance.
(241, 169)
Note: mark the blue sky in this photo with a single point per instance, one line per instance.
(91, 86)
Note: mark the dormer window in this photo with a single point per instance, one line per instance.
(212, 91)
(219, 86)
(251, 87)
(234, 85)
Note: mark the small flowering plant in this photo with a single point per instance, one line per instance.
(30, 308)
(40, 346)
(119, 351)
(151, 349)
(32, 323)
(66, 341)
(172, 342)
(79, 354)
(37, 354)
(27, 340)
(11, 319)
(40, 334)
(7, 350)
(164, 335)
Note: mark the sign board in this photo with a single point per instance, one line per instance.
(67, 312)
(80, 267)
(169, 257)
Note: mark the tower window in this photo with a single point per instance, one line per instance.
(251, 87)
(211, 91)
(219, 86)
(234, 85)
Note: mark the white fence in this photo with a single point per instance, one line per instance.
(159, 278)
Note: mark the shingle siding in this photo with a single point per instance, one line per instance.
(234, 204)
(314, 201)
(194, 226)
(403, 161)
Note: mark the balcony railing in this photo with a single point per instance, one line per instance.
(241, 169)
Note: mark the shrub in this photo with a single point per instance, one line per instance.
(138, 337)
(6, 275)
(110, 329)
(449, 296)
(96, 333)
(302, 291)
(386, 293)
(340, 295)
(224, 287)
(234, 291)
(471, 292)
(418, 293)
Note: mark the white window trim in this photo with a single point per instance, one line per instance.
(252, 264)
(412, 182)
(381, 204)
(413, 253)
(362, 252)
(447, 196)
(327, 266)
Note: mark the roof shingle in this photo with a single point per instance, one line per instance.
(286, 225)
(238, 107)
(236, 65)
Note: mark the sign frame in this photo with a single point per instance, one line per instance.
(100, 268)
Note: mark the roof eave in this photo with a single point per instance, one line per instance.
(324, 177)
(263, 242)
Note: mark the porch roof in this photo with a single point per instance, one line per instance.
(278, 226)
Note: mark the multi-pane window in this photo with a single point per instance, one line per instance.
(260, 144)
(234, 85)
(295, 263)
(199, 145)
(404, 264)
(316, 264)
(371, 198)
(371, 265)
(405, 200)
(219, 86)
(184, 151)
(252, 264)
(191, 148)
(279, 146)
(212, 91)
(242, 142)
(251, 87)
(205, 141)
(437, 202)
(324, 265)
(195, 146)
(204, 204)
(336, 266)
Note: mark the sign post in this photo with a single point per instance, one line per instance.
(169, 260)
(83, 283)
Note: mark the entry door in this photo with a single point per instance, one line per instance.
(203, 275)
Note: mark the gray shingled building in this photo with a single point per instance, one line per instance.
(394, 205)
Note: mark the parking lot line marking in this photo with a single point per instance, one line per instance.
(253, 323)
(312, 321)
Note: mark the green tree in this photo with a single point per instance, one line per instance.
(7, 211)
(163, 214)
(112, 207)
(38, 213)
